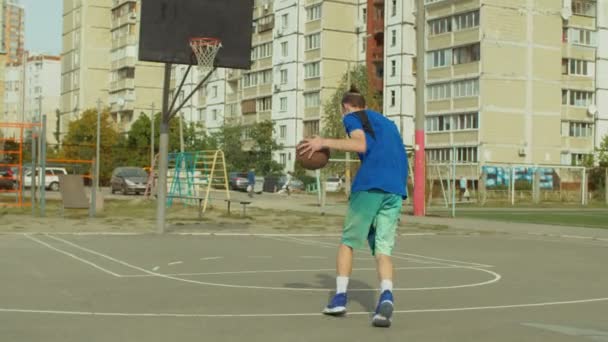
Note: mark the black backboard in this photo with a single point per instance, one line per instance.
(167, 26)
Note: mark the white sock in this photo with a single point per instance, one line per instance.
(341, 284)
(386, 284)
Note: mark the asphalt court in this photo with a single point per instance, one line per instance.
(495, 287)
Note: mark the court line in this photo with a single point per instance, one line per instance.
(281, 271)
(175, 263)
(288, 315)
(72, 256)
(496, 276)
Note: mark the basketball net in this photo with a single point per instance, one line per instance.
(205, 50)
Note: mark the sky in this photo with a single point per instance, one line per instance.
(43, 26)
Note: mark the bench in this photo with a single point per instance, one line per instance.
(243, 203)
(201, 199)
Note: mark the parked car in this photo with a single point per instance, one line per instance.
(51, 177)
(274, 184)
(7, 178)
(128, 180)
(333, 184)
(238, 181)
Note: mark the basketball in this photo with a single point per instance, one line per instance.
(317, 161)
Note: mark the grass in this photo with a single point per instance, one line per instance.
(580, 218)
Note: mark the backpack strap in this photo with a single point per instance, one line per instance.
(367, 125)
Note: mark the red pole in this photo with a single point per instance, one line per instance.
(419, 175)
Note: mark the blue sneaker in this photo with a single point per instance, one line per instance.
(384, 310)
(337, 306)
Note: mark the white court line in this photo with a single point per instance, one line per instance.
(281, 271)
(175, 263)
(312, 257)
(212, 258)
(259, 257)
(72, 256)
(496, 278)
(288, 315)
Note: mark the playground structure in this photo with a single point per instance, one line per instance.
(12, 157)
(192, 177)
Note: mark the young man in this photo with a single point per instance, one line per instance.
(376, 198)
(250, 182)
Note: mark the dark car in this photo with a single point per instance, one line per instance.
(238, 181)
(129, 180)
(7, 178)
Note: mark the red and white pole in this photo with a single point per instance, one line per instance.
(419, 150)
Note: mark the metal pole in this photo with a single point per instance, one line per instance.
(584, 187)
(161, 204)
(42, 137)
(33, 173)
(419, 163)
(43, 168)
(181, 132)
(454, 187)
(606, 186)
(93, 200)
(152, 137)
(95, 185)
(512, 185)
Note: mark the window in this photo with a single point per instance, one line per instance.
(214, 114)
(466, 88)
(311, 128)
(577, 67)
(283, 76)
(313, 12)
(283, 104)
(393, 37)
(283, 131)
(393, 8)
(393, 98)
(285, 21)
(439, 58)
(393, 68)
(439, 26)
(581, 37)
(466, 54)
(463, 154)
(312, 70)
(439, 91)
(364, 15)
(214, 91)
(265, 77)
(313, 41)
(466, 20)
(584, 7)
(580, 129)
(264, 104)
(250, 80)
(312, 100)
(578, 159)
(577, 98)
(363, 44)
(261, 51)
(284, 49)
(283, 159)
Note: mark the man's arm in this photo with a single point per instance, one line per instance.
(356, 143)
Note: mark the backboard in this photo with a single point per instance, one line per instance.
(168, 25)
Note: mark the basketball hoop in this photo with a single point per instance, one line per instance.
(205, 49)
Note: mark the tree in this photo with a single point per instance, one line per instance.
(79, 142)
(262, 134)
(603, 152)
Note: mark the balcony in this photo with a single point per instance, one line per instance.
(128, 83)
(118, 3)
(379, 3)
(129, 18)
(123, 63)
(377, 54)
(124, 41)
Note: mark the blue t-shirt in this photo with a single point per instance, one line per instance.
(384, 165)
(251, 178)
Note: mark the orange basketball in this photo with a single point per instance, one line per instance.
(317, 161)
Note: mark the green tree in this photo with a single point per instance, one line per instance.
(79, 142)
(264, 144)
(603, 152)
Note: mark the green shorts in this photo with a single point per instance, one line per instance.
(372, 218)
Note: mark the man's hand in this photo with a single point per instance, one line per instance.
(310, 146)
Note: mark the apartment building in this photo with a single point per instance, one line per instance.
(507, 81)
(134, 85)
(301, 50)
(32, 89)
(85, 58)
(13, 30)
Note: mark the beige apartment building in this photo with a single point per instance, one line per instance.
(13, 30)
(134, 85)
(514, 81)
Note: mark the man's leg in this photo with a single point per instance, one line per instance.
(362, 210)
(386, 229)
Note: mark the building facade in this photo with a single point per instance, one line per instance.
(33, 89)
(13, 34)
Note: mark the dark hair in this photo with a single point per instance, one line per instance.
(354, 98)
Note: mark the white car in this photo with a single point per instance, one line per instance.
(51, 178)
(333, 184)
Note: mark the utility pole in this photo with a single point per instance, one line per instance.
(419, 163)
(152, 136)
